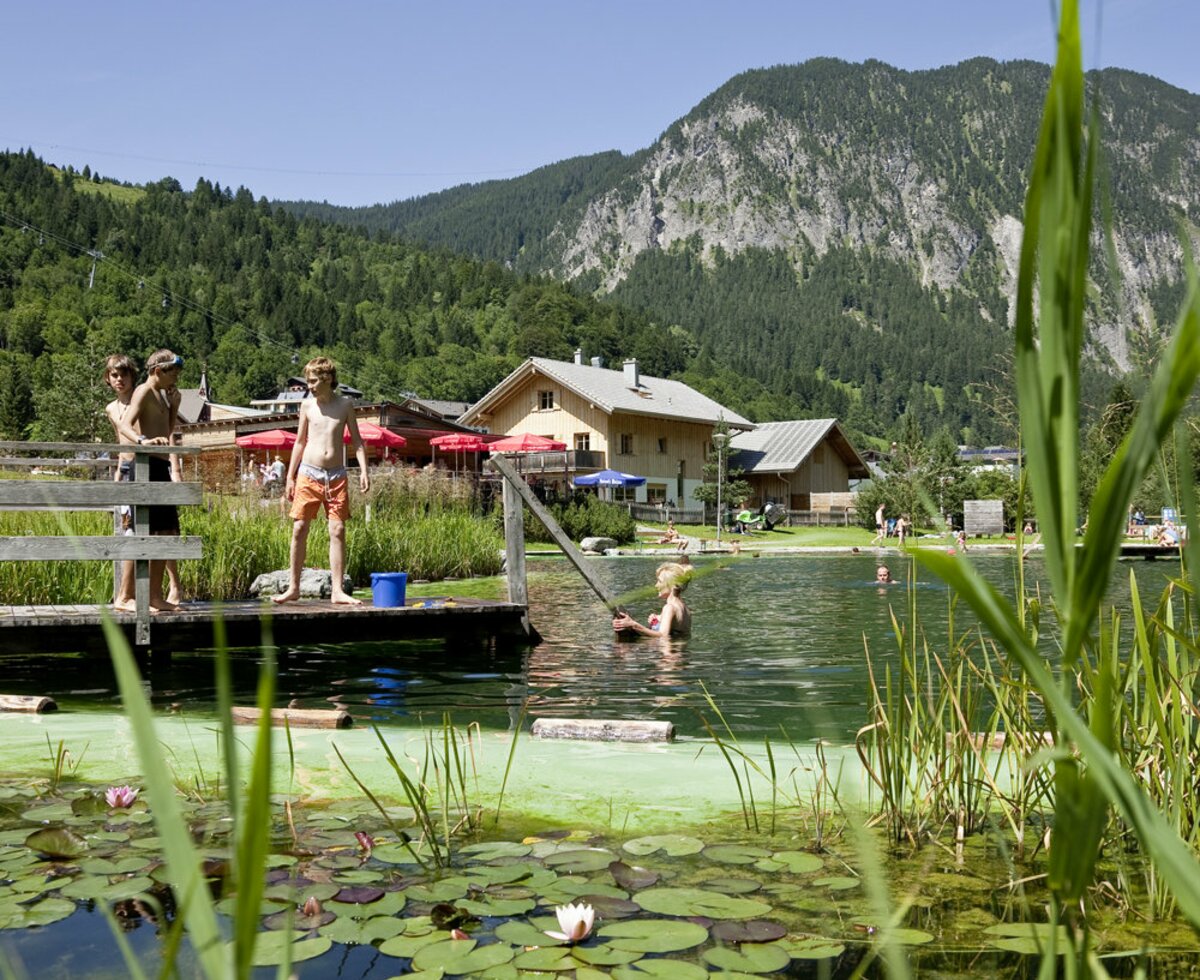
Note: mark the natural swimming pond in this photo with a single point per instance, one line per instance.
(778, 641)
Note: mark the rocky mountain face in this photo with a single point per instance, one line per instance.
(925, 168)
(847, 235)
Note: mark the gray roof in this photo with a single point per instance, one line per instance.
(780, 447)
(609, 391)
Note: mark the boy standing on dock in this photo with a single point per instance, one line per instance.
(153, 413)
(121, 376)
(317, 477)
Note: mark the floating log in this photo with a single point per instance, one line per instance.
(34, 704)
(295, 717)
(604, 730)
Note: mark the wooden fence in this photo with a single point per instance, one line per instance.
(77, 494)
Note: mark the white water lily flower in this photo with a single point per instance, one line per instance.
(575, 921)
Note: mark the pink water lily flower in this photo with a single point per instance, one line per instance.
(120, 797)
(575, 921)
(366, 843)
(311, 906)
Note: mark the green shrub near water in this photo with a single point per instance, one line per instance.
(584, 518)
(416, 525)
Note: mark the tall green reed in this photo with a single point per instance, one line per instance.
(1089, 772)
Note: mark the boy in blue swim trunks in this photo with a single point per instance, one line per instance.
(317, 478)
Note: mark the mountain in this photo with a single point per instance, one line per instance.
(846, 226)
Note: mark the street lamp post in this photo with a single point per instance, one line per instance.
(720, 440)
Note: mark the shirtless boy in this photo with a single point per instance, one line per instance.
(120, 375)
(317, 478)
(153, 412)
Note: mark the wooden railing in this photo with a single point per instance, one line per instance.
(70, 494)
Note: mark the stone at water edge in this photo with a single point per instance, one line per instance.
(315, 583)
(597, 545)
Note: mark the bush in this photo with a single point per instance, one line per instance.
(585, 517)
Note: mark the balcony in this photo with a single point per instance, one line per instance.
(569, 461)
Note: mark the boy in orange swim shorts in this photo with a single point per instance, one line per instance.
(317, 479)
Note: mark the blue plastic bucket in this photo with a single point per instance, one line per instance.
(387, 588)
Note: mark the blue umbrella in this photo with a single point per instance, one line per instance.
(609, 478)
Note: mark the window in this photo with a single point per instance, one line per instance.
(626, 443)
(583, 441)
(662, 444)
(625, 495)
(656, 493)
(545, 401)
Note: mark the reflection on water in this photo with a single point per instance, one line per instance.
(778, 642)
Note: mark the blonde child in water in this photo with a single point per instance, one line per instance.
(316, 477)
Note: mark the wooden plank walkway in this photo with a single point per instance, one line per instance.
(1148, 550)
(76, 628)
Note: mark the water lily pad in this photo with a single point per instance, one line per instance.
(362, 876)
(57, 843)
(498, 907)
(654, 935)
(813, 948)
(1030, 938)
(698, 901)
(530, 933)
(47, 814)
(632, 878)
(899, 935)
(730, 886)
(608, 907)
(124, 888)
(673, 845)
(579, 861)
(271, 948)
(607, 955)
(500, 874)
(409, 945)
(664, 969)
(735, 853)
(491, 850)
(296, 919)
(362, 932)
(395, 853)
(550, 958)
(106, 866)
(752, 931)
(458, 956)
(291, 892)
(447, 890)
(42, 913)
(566, 890)
(751, 958)
(838, 883)
(796, 862)
(359, 895)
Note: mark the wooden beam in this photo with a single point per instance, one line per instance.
(95, 447)
(33, 704)
(150, 547)
(26, 461)
(96, 493)
(604, 729)
(295, 717)
(513, 478)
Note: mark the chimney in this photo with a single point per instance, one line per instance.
(578, 355)
(598, 362)
(631, 372)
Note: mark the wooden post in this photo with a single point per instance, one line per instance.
(514, 545)
(513, 478)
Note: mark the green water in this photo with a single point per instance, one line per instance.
(780, 642)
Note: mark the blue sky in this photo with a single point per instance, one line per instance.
(365, 102)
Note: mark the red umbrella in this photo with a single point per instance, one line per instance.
(269, 439)
(459, 442)
(527, 442)
(376, 435)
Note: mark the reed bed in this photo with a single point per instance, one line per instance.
(419, 524)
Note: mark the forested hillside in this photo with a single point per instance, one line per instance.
(248, 291)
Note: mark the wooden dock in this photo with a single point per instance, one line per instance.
(1149, 550)
(77, 628)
